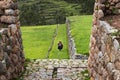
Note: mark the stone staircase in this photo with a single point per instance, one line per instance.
(54, 69)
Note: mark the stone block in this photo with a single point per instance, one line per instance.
(1, 12)
(117, 65)
(2, 68)
(12, 29)
(101, 1)
(9, 19)
(1, 53)
(9, 12)
(2, 77)
(100, 14)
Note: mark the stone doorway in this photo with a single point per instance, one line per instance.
(12, 57)
(104, 56)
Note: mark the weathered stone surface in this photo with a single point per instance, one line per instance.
(2, 77)
(9, 19)
(40, 72)
(117, 65)
(102, 6)
(118, 5)
(8, 4)
(11, 50)
(3, 4)
(1, 12)
(1, 54)
(104, 51)
(102, 1)
(116, 44)
(100, 14)
(2, 69)
(9, 12)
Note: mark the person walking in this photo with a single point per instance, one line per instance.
(60, 46)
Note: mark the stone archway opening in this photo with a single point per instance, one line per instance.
(11, 50)
(104, 56)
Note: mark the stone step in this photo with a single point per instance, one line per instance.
(55, 69)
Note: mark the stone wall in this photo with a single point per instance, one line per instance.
(56, 69)
(11, 49)
(104, 59)
(71, 43)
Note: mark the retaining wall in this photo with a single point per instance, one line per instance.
(71, 43)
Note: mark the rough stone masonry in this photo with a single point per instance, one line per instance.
(104, 59)
(11, 49)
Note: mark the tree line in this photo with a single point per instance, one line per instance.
(41, 12)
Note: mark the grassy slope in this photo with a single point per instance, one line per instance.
(81, 28)
(61, 36)
(36, 40)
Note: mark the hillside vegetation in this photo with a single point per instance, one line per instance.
(41, 12)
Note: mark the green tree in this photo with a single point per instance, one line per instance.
(41, 12)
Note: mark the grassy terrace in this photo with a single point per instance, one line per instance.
(61, 36)
(80, 30)
(37, 39)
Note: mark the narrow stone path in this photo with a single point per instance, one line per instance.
(54, 69)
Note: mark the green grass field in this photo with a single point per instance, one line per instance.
(61, 36)
(36, 40)
(80, 30)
